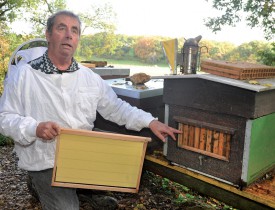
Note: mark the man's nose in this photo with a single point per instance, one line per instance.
(68, 34)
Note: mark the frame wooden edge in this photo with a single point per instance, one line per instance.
(55, 158)
(94, 187)
(104, 134)
(141, 164)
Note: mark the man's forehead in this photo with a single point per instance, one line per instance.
(65, 19)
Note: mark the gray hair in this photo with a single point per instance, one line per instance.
(51, 19)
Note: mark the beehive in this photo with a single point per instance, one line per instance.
(227, 126)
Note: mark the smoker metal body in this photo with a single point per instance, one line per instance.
(189, 57)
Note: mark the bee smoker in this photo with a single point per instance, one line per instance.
(189, 57)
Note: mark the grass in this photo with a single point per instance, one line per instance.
(135, 66)
(5, 140)
(129, 62)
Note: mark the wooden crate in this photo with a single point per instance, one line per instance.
(99, 160)
(238, 70)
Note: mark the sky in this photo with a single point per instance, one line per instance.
(171, 18)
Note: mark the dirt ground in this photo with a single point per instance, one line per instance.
(155, 192)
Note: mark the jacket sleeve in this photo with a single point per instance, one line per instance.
(13, 123)
(116, 110)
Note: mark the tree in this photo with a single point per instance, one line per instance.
(4, 57)
(267, 55)
(100, 18)
(34, 11)
(39, 13)
(9, 8)
(215, 50)
(148, 49)
(259, 13)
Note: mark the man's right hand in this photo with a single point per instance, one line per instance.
(47, 130)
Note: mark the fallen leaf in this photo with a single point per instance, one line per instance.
(253, 82)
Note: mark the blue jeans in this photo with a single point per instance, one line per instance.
(53, 198)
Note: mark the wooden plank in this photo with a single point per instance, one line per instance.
(98, 160)
(205, 152)
(180, 136)
(191, 136)
(227, 152)
(185, 135)
(197, 137)
(209, 140)
(202, 139)
(221, 144)
(216, 142)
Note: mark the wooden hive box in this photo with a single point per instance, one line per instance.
(237, 70)
(227, 126)
(99, 160)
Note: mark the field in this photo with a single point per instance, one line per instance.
(150, 70)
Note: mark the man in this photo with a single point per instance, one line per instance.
(54, 91)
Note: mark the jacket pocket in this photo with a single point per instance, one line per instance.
(87, 100)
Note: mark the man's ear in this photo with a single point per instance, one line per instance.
(47, 34)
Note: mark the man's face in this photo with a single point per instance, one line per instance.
(63, 39)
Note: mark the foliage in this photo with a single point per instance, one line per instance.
(148, 50)
(267, 55)
(253, 52)
(4, 57)
(259, 13)
(10, 9)
(124, 47)
(99, 18)
(215, 50)
(39, 13)
(5, 140)
(34, 11)
(100, 44)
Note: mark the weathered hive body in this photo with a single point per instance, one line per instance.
(227, 126)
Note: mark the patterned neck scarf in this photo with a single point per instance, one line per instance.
(45, 65)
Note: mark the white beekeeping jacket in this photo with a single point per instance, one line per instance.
(69, 99)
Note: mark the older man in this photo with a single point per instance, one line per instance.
(54, 91)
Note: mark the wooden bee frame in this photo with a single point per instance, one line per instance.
(99, 160)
